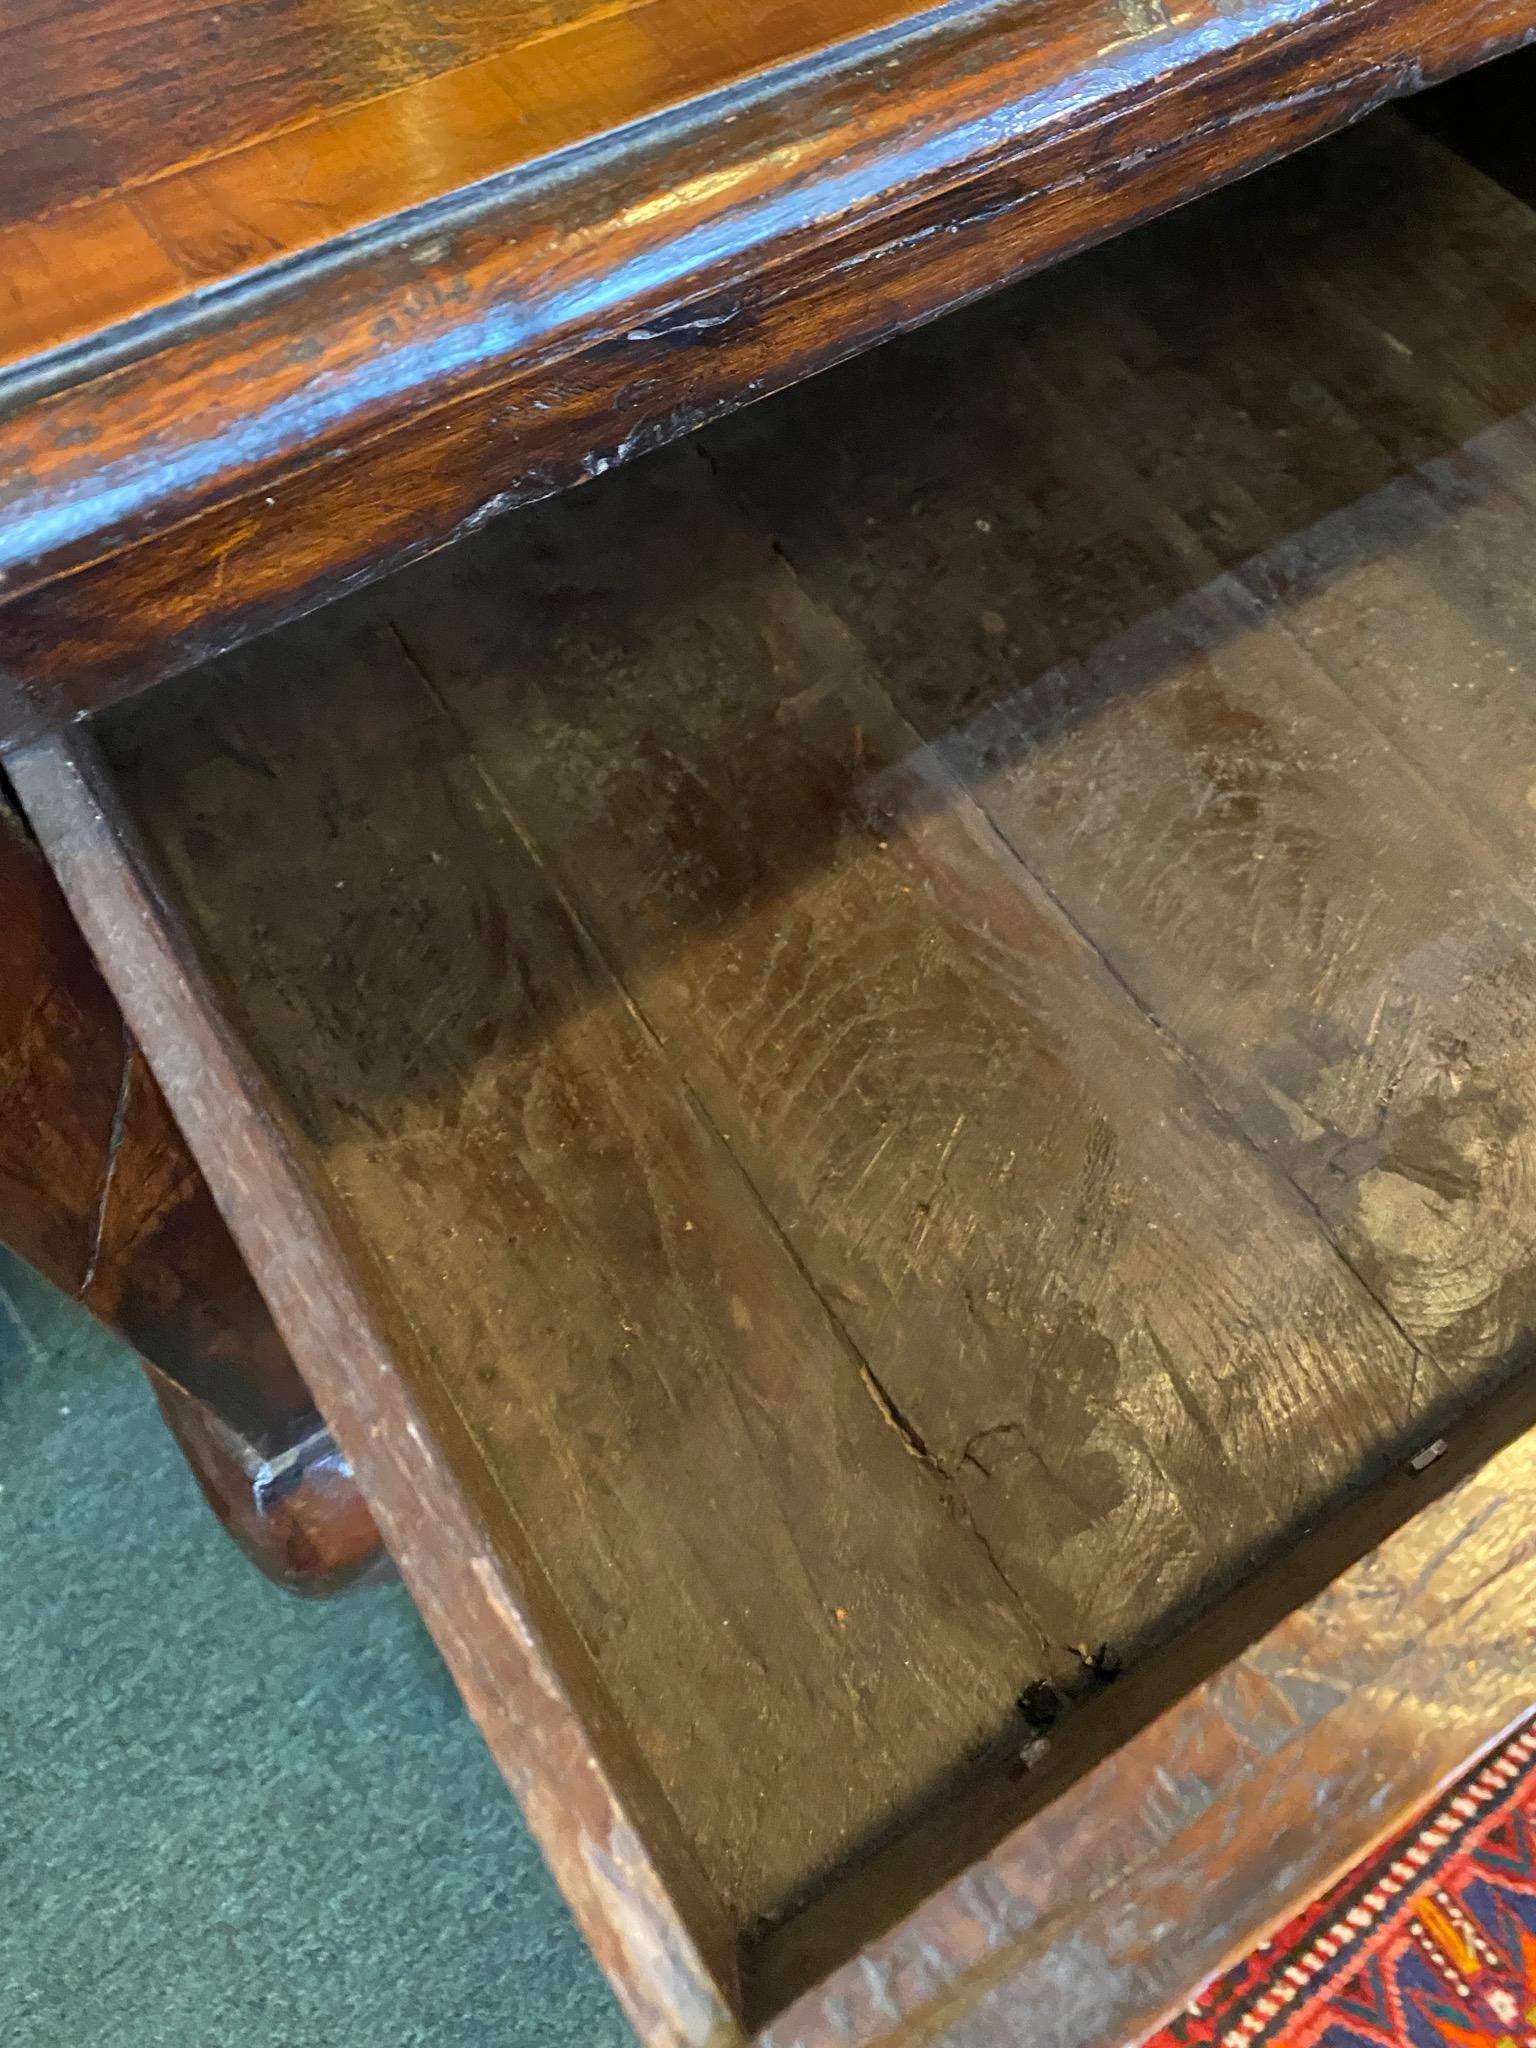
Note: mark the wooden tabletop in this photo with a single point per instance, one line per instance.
(175, 148)
(288, 294)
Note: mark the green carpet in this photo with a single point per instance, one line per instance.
(230, 1817)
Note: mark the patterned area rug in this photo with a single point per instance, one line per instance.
(1429, 1943)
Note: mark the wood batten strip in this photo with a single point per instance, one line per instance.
(604, 1827)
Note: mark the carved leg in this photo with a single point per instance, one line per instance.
(98, 1192)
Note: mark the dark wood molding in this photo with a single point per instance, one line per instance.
(98, 1191)
(173, 489)
(248, 147)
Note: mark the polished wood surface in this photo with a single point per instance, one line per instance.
(262, 135)
(246, 396)
(817, 1055)
(98, 1191)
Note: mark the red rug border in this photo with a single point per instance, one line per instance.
(1313, 1946)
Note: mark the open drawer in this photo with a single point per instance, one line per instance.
(874, 1061)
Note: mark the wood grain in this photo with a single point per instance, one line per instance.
(1290, 806)
(98, 1191)
(636, 881)
(187, 480)
(596, 1286)
(113, 96)
(378, 115)
(1359, 1705)
(708, 768)
(715, 1144)
(161, 150)
(1343, 319)
(1267, 1782)
(608, 1833)
(976, 1151)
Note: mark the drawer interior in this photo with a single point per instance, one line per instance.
(923, 1004)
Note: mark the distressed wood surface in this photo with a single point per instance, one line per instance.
(1291, 805)
(99, 1192)
(855, 1077)
(661, 912)
(1268, 1781)
(976, 1151)
(1334, 324)
(598, 1288)
(458, 1542)
(247, 395)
